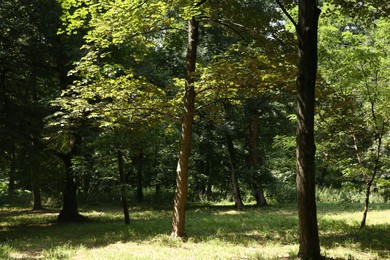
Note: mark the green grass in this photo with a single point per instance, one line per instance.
(215, 232)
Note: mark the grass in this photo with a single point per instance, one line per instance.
(215, 232)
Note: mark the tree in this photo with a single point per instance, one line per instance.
(307, 27)
(178, 220)
(306, 31)
(356, 93)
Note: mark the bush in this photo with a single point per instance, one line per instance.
(331, 195)
(282, 193)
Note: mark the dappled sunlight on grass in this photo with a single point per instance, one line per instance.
(215, 232)
(341, 236)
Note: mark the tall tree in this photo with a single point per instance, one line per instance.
(178, 220)
(307, 28)
(354, 57)
(307, 34)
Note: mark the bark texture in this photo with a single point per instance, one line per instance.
(307, 28)
(180, 200)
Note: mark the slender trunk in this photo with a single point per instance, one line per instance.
(140, 193)
(34, 159)
(11, 183)
(209, 191)
(37, 200)
(307, 27)
(236, 188)
(369, 183)
(180, 200)
(157, 193)
(256, 180)
(2, 95)
(122, 179)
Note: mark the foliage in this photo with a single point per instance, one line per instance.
(354, 112)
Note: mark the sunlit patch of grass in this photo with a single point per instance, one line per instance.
(215, 232)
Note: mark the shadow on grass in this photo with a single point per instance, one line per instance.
(29, 233)
(375, 238)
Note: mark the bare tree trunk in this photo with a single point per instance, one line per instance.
(236, 189)
(37, 199)
(180, 200)
(122, 179)
(307, 28)
(209, 191)
(140, 193)
(256, 180)
(12, 171)
(69, 211)
(372, 178)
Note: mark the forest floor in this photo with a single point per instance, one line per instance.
(215, 232)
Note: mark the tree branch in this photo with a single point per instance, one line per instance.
(287, 13)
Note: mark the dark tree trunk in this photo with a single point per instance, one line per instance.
(36, 191)
(2, 95)
(236, 189)
(69, 211)
(158, 193)
(34, 150)
(372, 177)
(122, 179)
(307, 27)
(12, 171)
(256, 180)
(180, 200)
(140, 193)
(209, 191)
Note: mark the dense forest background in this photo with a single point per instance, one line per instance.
(91, 101)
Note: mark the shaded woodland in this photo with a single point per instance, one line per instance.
(174, 102)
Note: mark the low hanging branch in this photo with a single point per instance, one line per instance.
(287, 13)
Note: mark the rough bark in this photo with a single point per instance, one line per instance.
(122, 179)
(180, 200)
(236, 189)
(256, 180)
(307, 27)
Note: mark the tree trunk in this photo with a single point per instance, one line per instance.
(256, 180)
(140, 193)
(37, 200)
(34, 150)
(180, 200)
(122, 179)
(12, 171)
(69, 211)
(209, 184)
(236, 189)
(307, 27)
(369, 183)
(158, 193)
